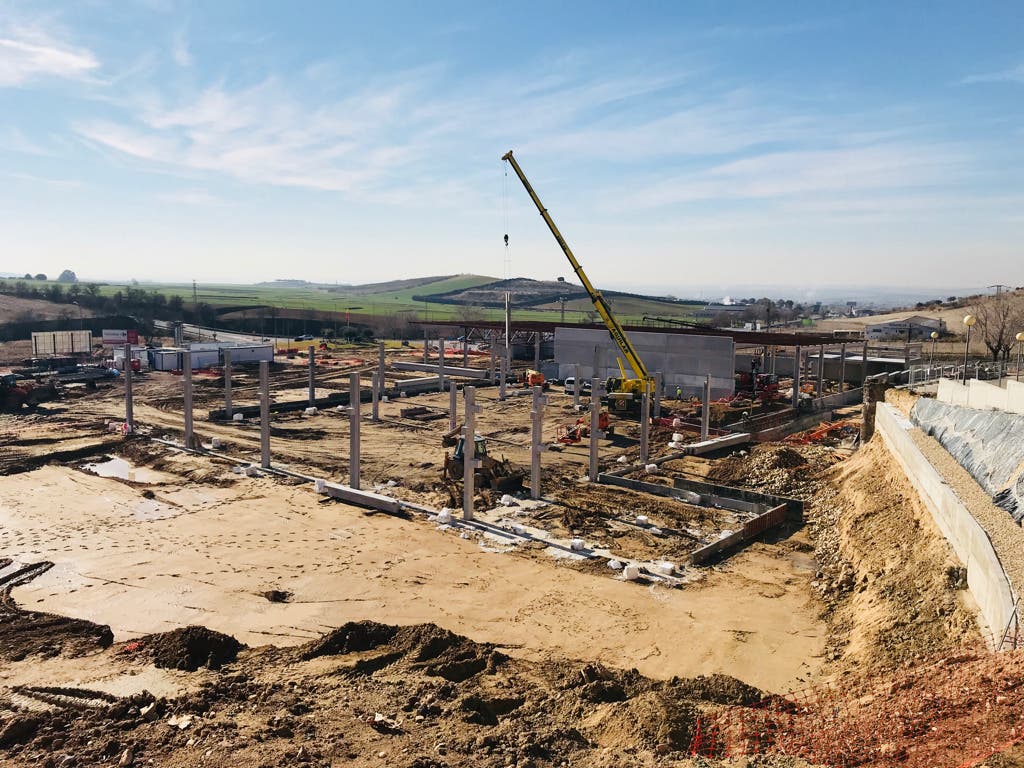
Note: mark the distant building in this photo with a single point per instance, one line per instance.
(912, 327)
(714, 310)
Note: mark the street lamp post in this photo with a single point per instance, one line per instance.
(969, 321)
(1020, 343)
(931, 359)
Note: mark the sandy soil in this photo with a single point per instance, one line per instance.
(204, 555)
(866, 595)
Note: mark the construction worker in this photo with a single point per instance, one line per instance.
(679, 393)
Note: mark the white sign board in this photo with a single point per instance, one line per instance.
(114, 336)
(61, 343)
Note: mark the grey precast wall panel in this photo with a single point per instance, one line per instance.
(684, 360)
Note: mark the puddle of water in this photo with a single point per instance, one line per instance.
(150, 509)
(117, 467)
(803, 561)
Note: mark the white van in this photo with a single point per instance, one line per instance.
(570, 386)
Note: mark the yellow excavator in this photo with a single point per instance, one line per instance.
(623, 393)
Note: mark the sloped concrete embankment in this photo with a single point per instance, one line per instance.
(986, 577)
(989, 444)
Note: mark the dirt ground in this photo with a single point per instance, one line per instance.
(13, 308)
(486, 653)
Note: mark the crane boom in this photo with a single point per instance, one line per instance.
(614, 327)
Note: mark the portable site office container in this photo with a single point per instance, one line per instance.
(165, 359)
(209, 356)
(170, 359)
(250, 353)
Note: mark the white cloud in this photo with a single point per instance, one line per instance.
(28, 52)
(1012, 75)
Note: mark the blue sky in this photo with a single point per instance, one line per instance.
(676, 144)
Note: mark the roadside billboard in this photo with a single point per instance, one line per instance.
(113, 337)
(47, 343)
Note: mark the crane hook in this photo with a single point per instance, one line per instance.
(506, 240)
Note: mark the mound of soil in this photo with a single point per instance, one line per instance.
(784, 458)
(719, 689)
(192, 647)
(353, 637)
(427, 648)
(277, 595)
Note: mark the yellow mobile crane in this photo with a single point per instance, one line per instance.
(643, 381)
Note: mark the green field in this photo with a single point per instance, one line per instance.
(391, 299)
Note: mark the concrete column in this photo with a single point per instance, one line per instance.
(797, 370)
(864, 364)
(536, 351)
(186, 380)
(265, 414)
(465, 349)
(774, 354)
(536, 447)
(380, 372)
(129, 413)
(501, 378)
(705, 409)
(595, 417)
(425, 345)
(228, 409)
(578, 387)
(842, 368)
(821, 371)
(493, 369)
(440, 363)
(470, 462)
(874, 391)
(657, 394)
(597, 362)
(354, 403)
(508, 358)
(453, 416)
(375, 394)
(312, 374)
(645, 427)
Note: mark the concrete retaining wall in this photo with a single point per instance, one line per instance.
(985, 575)
(983, 395)
(989, 444)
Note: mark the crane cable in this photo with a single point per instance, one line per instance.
(504, 211)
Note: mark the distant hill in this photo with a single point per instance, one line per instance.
(535, 293)
(391, 286)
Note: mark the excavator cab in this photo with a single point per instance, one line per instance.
(479, 447)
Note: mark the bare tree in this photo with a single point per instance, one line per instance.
(1000, 318)
(467, 314)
